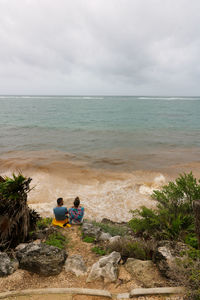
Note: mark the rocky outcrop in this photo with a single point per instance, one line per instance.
(7, 266)
(106, 268)
(88, 229)
(41, 259)
(43, 233)
(76, 265)
(166, 256)
(143, 271)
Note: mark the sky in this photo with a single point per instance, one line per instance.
(100, 47)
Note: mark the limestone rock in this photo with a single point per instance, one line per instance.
(75, 264)
(166, 256)
(114, 239)
(88, 229)
(144, 271)
(104, 236)
(7, 266)
(106, 268)
(21, 246)
(42, 259)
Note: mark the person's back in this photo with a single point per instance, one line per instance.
(60, 211)
(76, 213)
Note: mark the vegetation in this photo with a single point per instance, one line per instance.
(177, 217)
(174, 218)
(130, 248)
(16, 219)
(113, 229)
(57, 240)
(187, 272)
(44, 223)
(89, 239)
(99, 250)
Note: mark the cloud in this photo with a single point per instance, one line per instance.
(146, 47)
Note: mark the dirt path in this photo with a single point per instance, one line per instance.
(22, 279)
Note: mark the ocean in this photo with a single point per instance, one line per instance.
(111, 151)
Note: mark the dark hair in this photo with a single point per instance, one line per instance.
(76, 202)
(59, 201)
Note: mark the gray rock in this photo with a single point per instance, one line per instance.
(21, 246)
(76, 265)
(88, 229)
(105, 236)
(106, 268)
(144, 271)
(115, 239)
(7, 266)
(41, 259)
(166, 256)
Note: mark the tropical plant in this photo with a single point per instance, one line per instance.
(174, 217)
(16, 219)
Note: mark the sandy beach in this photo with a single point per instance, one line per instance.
(104, 192)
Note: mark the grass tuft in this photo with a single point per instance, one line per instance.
(57, 240)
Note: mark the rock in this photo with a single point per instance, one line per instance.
(42, 259)
(76, 265)
(43, 233)
(166, 256)
(21, 246)
(114, 239)
(106, 268)
(104, 236)
(7, 266)
(108, 221)
(144, 271)
(88, 229)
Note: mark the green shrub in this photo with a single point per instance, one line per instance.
(129, 248)
(173, 219)
(89, 239)
(44, 223)
(99, 250)
(57, 240)
(113, 229)
(191, 240)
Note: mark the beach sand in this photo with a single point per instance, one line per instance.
(107, 190)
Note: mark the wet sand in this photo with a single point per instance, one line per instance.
(108, 188)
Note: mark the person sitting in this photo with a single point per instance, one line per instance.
(76, 212)
(61, 214)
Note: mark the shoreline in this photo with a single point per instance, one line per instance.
(104, 192)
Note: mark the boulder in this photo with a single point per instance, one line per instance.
(21, 246)
(88, 229)
(76, 265)
(104, 236)
(144, 271)
(115, 239)
(7, 266)
(166, 256)
(41, 259)
(106, 268)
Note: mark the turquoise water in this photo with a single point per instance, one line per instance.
(96, 126)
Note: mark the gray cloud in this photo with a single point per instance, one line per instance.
(100, 47)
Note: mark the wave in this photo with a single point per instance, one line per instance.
(50, 97)
(170, 98)
(57, 174)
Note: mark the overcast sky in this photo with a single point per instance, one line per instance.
(119, 47)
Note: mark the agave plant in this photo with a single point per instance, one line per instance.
(16, 218)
